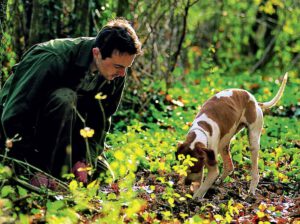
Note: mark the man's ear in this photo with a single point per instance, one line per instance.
(96, 58)
(96, 52)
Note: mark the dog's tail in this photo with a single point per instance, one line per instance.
(273, 102)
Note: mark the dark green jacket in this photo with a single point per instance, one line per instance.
(49, 66)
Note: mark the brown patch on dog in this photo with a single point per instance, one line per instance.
(225, 111)
(199, 145)
(250, 112)
(190, 137)
(206, 126)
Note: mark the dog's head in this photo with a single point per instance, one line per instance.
(204, 157)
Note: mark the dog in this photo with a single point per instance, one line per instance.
(220, 118)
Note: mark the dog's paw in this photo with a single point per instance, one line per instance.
(199, 199)
(252, 191)
(198, 196)
(218, 181)
(250, 199)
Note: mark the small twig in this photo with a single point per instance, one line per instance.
(263, 58)
(61, 183)
(102, 160)
(160, 17)
(22, 198)
(294, 61)
(33, 188)
(3, 182)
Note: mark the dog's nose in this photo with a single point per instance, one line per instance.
(187, 181)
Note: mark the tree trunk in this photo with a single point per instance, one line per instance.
(2, 27)
(36, 28)
(15, 26)
(2, 17)
(2, 22)
(264, 27)
(46, 21)
(82, 19)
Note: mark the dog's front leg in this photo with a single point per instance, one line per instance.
(212, 175)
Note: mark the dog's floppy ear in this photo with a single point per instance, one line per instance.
(207, 154)
(179, 143)
(182, 148)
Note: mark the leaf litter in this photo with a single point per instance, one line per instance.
(270, 204)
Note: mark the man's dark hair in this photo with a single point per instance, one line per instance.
(118, 35)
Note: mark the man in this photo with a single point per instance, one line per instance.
(51, 97)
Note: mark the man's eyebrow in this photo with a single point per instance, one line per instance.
(121, 66)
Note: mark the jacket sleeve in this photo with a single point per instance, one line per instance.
(35, 76)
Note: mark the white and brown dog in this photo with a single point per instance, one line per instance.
(219, 119)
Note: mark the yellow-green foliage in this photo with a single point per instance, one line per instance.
(148, 148)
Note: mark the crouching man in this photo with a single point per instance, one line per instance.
(62, 88)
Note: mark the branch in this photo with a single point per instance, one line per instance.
(185, 17)
(295, 60)
(193, 3)
(155, 24)
(27, 165)
(263, 58)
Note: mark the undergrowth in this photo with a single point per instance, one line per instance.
(147, 187)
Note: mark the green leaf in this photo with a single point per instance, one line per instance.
(24, 219)
(54, 207)
(7, 190)
(22, 192)
(218, 217)
(171, 202)
(238, 157)
(111, 196)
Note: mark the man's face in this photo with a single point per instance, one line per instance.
(114, 66)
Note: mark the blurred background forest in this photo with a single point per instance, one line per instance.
(180, 37)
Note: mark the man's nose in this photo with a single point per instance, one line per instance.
(122, 72)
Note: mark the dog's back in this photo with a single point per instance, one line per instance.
(230, 110)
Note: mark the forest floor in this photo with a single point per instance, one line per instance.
(226, 203)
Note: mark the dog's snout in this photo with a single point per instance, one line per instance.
(176, 155)
(187, 181)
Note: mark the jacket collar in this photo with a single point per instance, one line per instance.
(84, 56)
